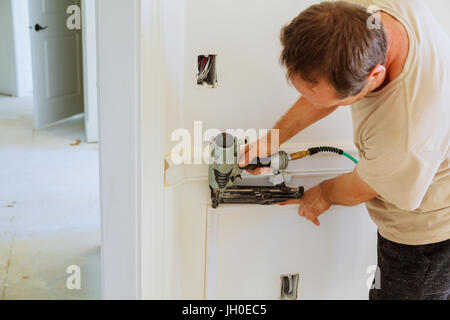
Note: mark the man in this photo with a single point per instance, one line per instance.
(395, 73)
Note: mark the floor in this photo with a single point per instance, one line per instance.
(49, 207)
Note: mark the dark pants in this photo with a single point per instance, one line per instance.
(412, 272)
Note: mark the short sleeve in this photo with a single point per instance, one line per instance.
(400, 177)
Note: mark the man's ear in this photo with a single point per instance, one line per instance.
(378, 74)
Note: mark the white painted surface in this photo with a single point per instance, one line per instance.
(252, 90)
(89, 31)
(250, 247)
(118, 48)
(49, 207)
(153, 218)
(22, 47)
(7, 57)
(440, 8)
(57, 63)
(131, 149)
(252, 93)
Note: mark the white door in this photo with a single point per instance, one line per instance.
(57, 62)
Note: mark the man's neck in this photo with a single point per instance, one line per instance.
(397, 48)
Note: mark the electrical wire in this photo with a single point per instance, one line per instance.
(204, 68)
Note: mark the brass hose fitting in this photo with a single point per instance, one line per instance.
(300, 155)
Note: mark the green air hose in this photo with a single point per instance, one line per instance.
(350, 157)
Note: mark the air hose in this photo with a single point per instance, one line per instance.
(316, 150)
(280, 160)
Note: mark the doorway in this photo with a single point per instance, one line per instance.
(49, 190)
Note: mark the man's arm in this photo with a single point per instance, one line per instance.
(301, 115)
(346, 190)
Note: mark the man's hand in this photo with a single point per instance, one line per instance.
(312, 205)
(262, 148)
(346, 190)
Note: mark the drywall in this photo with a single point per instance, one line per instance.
(7, 52)
(252, 90)
(237, 239)
(440, 10)
(207, 262)
(250, 78)
(249, 247)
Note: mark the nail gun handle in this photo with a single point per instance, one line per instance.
(260, 163)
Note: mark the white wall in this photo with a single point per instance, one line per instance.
(249, 247)
(244, 245)
(252, 91)
(182, 245)
(7, 58)
(22, 47)
(240, 251)
(440, 9)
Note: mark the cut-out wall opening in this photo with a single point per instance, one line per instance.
(207, 71)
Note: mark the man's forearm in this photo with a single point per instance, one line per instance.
(299, 117)
(347, 190)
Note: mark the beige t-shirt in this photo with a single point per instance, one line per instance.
(403, 134)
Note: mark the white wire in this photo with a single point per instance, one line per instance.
(204, 73)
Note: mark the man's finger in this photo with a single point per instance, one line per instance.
(245, 149)
(301, 212)
(314, 219)
(289, 202)
(256, 172)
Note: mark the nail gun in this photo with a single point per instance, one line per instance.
(224, 171)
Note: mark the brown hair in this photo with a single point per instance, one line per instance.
(332, 40)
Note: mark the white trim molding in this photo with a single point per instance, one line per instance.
(152, 224)
(120, 168)
(131, 192)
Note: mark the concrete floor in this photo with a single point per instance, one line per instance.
(49, 207)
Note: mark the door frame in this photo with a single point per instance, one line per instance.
(131, 135)
(89, 35)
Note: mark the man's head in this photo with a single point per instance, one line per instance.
(331, 55)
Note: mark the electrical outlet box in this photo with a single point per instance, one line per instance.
(207, 71)
(289, 286)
